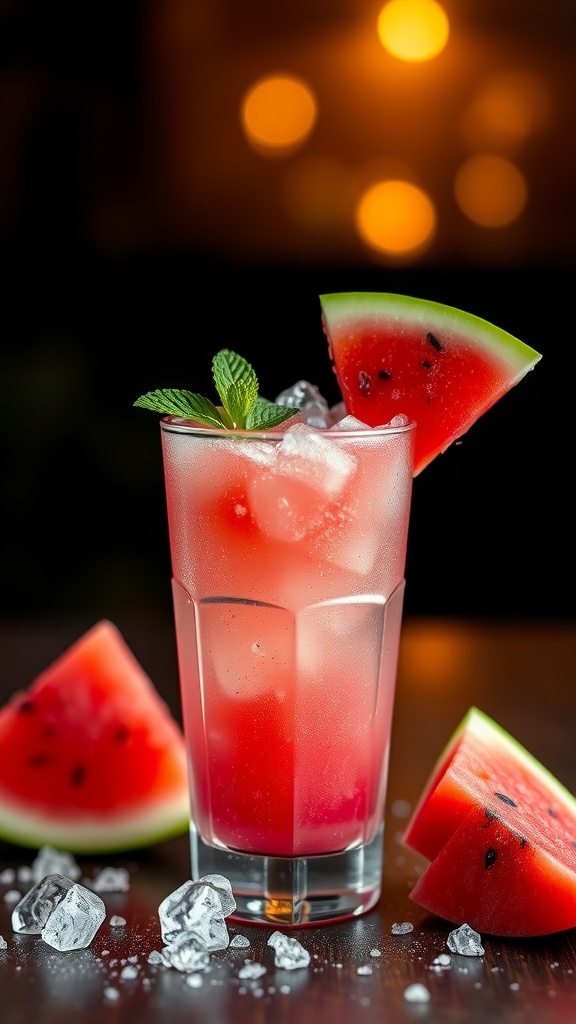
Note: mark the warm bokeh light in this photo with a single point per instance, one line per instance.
(490, 190)
(278, 113)
(507, 108)
(413, 30)
(395, 217)
(317, 192)
(436, 654)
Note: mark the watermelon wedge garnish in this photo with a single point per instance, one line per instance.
(91, 758)
(440, 366)
(500, 832)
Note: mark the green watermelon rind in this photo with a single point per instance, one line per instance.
(484, 729)
(341, 306)
(487, 731)
(130, 824)
(93, 836)
(509, 358)
(480, 728)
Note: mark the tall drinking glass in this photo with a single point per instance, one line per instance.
(288, 554)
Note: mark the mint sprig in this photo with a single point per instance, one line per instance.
(242, 408)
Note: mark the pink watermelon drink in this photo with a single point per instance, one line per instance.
(288, 553)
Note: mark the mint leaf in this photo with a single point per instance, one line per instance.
(238, 398)
(184, 404)
(265, 414)
(230, 368)
(237, 386)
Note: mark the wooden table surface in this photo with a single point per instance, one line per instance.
(521, 673)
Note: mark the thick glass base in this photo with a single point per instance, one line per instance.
(292, 892)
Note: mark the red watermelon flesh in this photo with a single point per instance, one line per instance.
(90, 756)
(440, 366)
(500, 831)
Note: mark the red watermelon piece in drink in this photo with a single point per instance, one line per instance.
(436, 364)
(500, 831)
(91, 758)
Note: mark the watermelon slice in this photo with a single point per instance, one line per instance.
(500, 831)
(90, 756)
(439, 366)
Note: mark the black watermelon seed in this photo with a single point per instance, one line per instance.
(490, 857)
(434, 341)
(426, 364)
(552, 812)
(573, 842)
(523, 842)
(491, 815)
(78, 774)
(384, 375)
(364, 382)
(26, 706)
(506, 799)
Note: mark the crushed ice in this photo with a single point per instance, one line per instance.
(66, 914)
(465, 941)
(198, 908)
(288, 952)
(402, 928)
(307, 398)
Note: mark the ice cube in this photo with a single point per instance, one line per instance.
(289, 953)
(308, 399)
(75, 920)
(3, 944)
(239, 942)
(111, 880)
(194, 908)
(350, 423)
(310, 455)
(116, 921)
(50, 861)
(294, 500)
(224, 890)
(466, 941)
(32, 912)
(186, 953)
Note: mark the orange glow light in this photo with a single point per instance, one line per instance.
(395, 217)
(507, 108)
(278, 113)
(490, 190)
(413, 30)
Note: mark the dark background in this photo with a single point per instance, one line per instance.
(103, 298)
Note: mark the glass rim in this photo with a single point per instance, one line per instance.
(176, 425)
